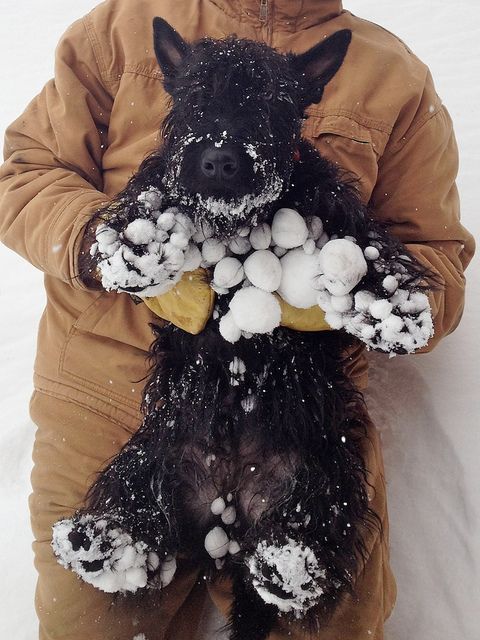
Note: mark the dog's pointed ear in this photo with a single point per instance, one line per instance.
(319, 64)
(170, 49)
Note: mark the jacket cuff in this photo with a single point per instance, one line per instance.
(64, 237)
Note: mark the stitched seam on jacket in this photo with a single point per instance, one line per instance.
(96, 49)
(141, 70)
(67, 398)
(369, 123)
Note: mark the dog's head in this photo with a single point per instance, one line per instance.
(234, 125)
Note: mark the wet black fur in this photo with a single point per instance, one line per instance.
(308, 417)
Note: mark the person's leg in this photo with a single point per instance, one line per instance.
(71, 445)
(361, 617)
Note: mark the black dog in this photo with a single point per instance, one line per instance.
(256, 470)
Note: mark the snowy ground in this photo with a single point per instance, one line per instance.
(426, 407)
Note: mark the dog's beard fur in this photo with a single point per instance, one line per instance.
(226, 210)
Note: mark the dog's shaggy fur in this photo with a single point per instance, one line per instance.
(284, 440)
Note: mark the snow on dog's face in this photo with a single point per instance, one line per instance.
(234, 126)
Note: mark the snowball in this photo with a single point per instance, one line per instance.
(167, 571)
(390, 284)
(324, 301)
(233, 547)
(161, 235)
(391, 327)
(380, 309)
(261, 236)
(289, 229)
(192, 258)
(105, 236)
(174, 258)
(228, 273)
(136, 578)
(179, 240)
(153, 561)
(166, 220)
(299, 271)
(229, 515)
(314, 226)
(334, 319)
(152, 199)
(400, 296)
(217, 543)
(218, 506)
(213, 251)
(183, 224)
(363, 300)
(342, 304)
(371, 253)
(342, 265)
(239, 245)
(255, 311)
(263, 269)
(228, 328)
(416, 303)
(140, 231)
(367, 331)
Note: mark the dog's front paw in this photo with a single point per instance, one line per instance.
(105, 556)
(145, 256)
(399, 323)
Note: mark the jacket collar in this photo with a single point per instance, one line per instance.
(291, 15)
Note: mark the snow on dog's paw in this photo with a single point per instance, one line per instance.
(399, 324)
(107, 557)
(148, 255)
(342, 265)
(287, 575)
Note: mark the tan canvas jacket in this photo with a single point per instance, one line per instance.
(80, 140)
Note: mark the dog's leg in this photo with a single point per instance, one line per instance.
(250, 617)
(125, 538)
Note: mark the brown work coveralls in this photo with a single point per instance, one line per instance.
(77, 144)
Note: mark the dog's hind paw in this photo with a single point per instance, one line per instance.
(287, 576)
(107, 557)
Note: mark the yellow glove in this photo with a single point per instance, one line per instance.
(188, 305)
(312, 319)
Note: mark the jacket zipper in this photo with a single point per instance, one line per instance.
(263, 10)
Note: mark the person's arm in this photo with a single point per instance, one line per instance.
(51, 182)
(416, 193)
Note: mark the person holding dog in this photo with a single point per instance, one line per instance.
(77, 144)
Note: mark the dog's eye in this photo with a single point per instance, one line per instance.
(268, 94)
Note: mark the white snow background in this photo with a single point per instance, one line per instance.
(426, 407)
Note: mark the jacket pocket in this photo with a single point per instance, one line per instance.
(349, 144)
(106, 350)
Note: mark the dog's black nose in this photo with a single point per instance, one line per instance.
(219, 164)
